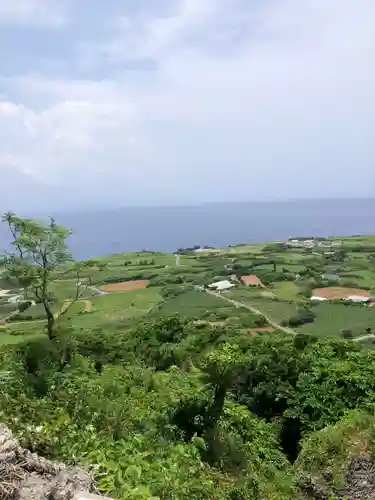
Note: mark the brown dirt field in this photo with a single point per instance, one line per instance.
(252, 280)
(262, 329)
(338, 292)
(125, 286)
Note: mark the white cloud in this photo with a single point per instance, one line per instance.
(42, 13)
(291, 101)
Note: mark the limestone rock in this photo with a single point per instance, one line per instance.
(26, 476)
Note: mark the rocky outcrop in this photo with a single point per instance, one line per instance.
(358, 483)
(26, 476)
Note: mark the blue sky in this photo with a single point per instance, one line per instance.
(186, 101)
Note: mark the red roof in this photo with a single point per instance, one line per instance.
(251, 280)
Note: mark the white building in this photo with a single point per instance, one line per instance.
(358, 298)
(221, 286)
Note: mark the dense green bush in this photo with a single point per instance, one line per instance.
(172, 409)
(302, 317)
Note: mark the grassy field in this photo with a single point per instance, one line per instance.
(276, 310)
(364, 278)
(332, 319)
(287, 290)
(66, 289)
(113, 308)
(193, 304)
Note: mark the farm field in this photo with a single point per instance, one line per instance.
(338, 292)
(125, 286)
(333, 319)
(365, 278)
(111, 308)
(287, 290)
(66, 289)
(278, 311)
(117, 293)
(193, 304)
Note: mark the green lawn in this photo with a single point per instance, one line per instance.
(331, 319)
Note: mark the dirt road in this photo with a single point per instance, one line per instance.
(255, 311)
(364, 337)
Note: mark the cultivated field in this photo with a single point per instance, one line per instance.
(338, 292)
(129, 286)
(125, 286)
(334, 319)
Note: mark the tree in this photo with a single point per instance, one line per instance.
(39, 258)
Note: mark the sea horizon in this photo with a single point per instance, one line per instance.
(166, 228)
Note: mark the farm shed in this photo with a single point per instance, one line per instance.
(221, 286)
(330, 277)
(358, 298)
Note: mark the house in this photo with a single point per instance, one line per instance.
(330, 277)
(330, 244)
(308, 243)
(300, 243)
(221, 286)
(293, 244)
(14, 299)
(252, 280)
(358, 298)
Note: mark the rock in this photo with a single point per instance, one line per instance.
(359, 480)
(89, 496)
(7, 442)
(26, 476)
(328, 476)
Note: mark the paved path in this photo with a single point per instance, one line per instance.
(97, 290)
(67, 303)
(364, 337)
(254, 310)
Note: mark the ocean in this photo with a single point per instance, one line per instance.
(219, 225)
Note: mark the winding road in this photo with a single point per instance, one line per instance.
(270, 321)
(254, 310)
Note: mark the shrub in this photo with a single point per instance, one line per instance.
(302, 317)
(260, 321)
(347, 334)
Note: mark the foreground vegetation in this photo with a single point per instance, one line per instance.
(170, 392)
(171, 409)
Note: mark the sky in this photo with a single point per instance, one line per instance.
(158, 102)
